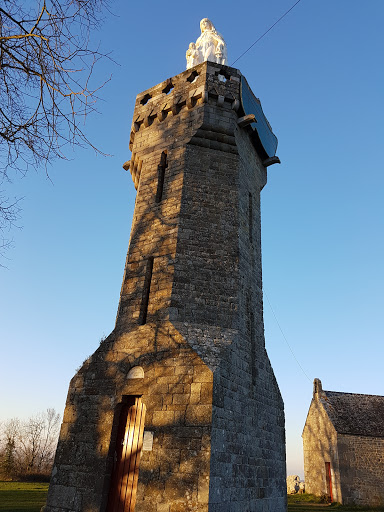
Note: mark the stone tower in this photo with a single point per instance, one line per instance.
(178, 409)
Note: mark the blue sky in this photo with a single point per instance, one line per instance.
(319, 75)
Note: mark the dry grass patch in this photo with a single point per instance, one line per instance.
(310, 503)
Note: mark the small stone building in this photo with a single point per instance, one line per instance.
(343, 440)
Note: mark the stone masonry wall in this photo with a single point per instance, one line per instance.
(320, 446)
(177, 386)
(172, 475)
(248, 412)
(362, 469)
(224, 320)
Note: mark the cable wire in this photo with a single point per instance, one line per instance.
(286, 341)
(265, 33)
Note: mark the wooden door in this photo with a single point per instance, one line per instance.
(328, 478)
(122, 495)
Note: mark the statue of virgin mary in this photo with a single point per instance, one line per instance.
(209, 46)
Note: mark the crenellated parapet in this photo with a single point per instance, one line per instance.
(207, 84)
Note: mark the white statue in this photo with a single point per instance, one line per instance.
(209, 46)
(193, 56)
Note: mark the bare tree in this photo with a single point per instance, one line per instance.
(28, 447)
(8, 457)
(37, 441)
(46, 64)
(45, 68)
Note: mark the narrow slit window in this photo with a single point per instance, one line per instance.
(146, 292)
(250, 217)
(160, 176)
(253, 348)
(252, 338)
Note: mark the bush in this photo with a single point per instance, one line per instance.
(34, 477)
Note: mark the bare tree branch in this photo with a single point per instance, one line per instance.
(46, 67)
(9, 215)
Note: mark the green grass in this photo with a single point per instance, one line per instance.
(310, 503)
(30, 497)
(22, 496)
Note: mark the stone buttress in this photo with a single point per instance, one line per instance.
(189, 336)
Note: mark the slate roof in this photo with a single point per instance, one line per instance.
(355, 414)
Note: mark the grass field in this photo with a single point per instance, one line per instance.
(310, 503)
(30, 497)
(22, 496)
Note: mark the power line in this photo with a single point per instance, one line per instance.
(265, 33)
(281, 330)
